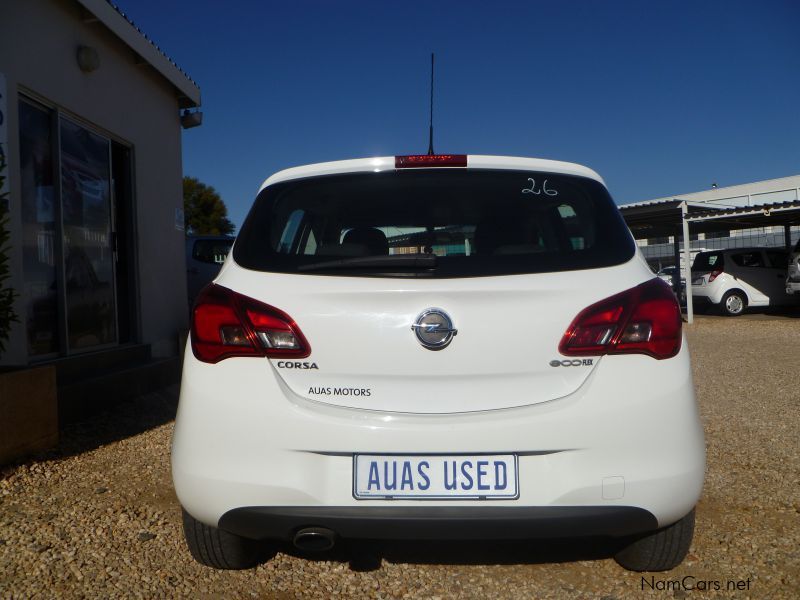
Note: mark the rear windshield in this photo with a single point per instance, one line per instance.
(433, 223)
(708, 261)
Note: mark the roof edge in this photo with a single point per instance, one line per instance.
(121, 26)
(739, 190)
(386, 163)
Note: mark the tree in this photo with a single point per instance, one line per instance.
(204, 211)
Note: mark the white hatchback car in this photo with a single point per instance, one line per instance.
(436, 347)
(737, 278)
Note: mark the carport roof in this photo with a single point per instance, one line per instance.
(664, 217)
(655, 219)
(745, 217)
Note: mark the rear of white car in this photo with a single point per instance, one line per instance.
(737, 278)
(436, 347)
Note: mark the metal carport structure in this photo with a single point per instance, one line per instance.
(680, 218)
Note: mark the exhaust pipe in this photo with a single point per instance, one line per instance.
(314, 539)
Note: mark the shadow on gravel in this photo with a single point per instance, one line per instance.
(368, 555)
(120, 421)
(751, 314)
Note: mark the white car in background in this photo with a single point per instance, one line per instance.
(793, 273)
(737, 278)
(436, 347)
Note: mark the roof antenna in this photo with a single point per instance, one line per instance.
(430, 132)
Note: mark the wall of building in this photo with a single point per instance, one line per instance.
(127, 102)
(746, 194)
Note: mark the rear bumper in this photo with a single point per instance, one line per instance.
(440, 522)
(710, 294)
(620, 440)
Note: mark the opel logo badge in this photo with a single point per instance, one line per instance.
(434, 329)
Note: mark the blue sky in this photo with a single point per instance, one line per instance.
(660, 97)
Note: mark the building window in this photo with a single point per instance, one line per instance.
(711, 235)
(70, 288)
(86, 223)
(37, 171)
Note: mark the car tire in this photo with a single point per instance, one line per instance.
(220, 549)
(661, 550)
(733, 303)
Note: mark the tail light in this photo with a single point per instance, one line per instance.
(227, 324)
(430, 160)
(714, 274)
(642, 320)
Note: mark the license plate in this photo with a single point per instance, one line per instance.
(478, 476)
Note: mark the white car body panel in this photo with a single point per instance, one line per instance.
(717, 289)
(474, 161)
(382, 352)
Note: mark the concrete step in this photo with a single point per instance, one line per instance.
(81, 366)
(101, 388)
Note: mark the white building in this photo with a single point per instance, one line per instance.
(91, 130)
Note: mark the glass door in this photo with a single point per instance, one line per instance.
(86, 219)
(40, 247)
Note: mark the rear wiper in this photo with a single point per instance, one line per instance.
(392, 261)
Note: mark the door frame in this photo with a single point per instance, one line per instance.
(56, 114)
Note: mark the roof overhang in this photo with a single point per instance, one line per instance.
(111, 17)
(763, 215)
(665, 218)
(657, 219)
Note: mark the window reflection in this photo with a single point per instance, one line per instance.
(86, 218)
(38, 229)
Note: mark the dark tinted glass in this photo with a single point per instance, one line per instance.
(708, 261)
(475, 223)
(86, 220)
(748, 259)
(38, 228)
(778, 259)
(211, 251)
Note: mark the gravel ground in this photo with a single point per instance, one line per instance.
(98, 517)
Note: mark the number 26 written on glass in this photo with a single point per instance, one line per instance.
(532, 189)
